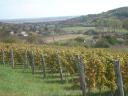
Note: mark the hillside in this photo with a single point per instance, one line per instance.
(42, 30)
(92, 19)
(119, 14)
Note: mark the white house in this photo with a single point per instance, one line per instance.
(23, 33)
(12, 33)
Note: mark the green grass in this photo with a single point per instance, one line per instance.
(15, 82)
(119, 30)
(74, 42)
(77, 29)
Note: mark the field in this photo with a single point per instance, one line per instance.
(83, 55)
(56, 71)
(77, 29)
(16, 82)
(61, 37)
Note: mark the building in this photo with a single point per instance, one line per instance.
(23, 33)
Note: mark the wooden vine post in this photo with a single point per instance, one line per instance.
(82, 75)
(26, 60)
(3, 57)
(119, 80)
(43, 65)
(60, 67)
(33, 63)
(12, 58)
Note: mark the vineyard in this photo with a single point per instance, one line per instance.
(96, 66)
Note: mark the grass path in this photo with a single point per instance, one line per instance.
(62, 37)
(14, 82)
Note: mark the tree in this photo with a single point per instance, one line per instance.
(32, 38)
(125, 24)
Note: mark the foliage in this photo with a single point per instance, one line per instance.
(102, 43)
(107, 41)
(80, 39)
(125, 24)
(99, 70)
(11, 39)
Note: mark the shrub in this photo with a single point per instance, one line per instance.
(11, 39)
(111, 40)
(90, 32)
(102, 43)
(80, 39)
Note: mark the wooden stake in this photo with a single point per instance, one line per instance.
(60, 68)
(3, 56)
(12, 58)
(82, 76)
(33, 63)
(43, 66)
(119, 77)
(26, 60)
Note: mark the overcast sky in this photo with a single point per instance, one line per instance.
(12, 9)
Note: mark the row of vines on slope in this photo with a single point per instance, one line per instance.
(99, 67)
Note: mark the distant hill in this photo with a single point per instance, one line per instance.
(37, 20)
(87, 20)
(92, 19)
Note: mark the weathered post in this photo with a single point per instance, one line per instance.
(3, 57)
(60, 67)
(26, 60)
(43, 65)
(119, 77)
(12, 58)
(33, 63)
(82, 75)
